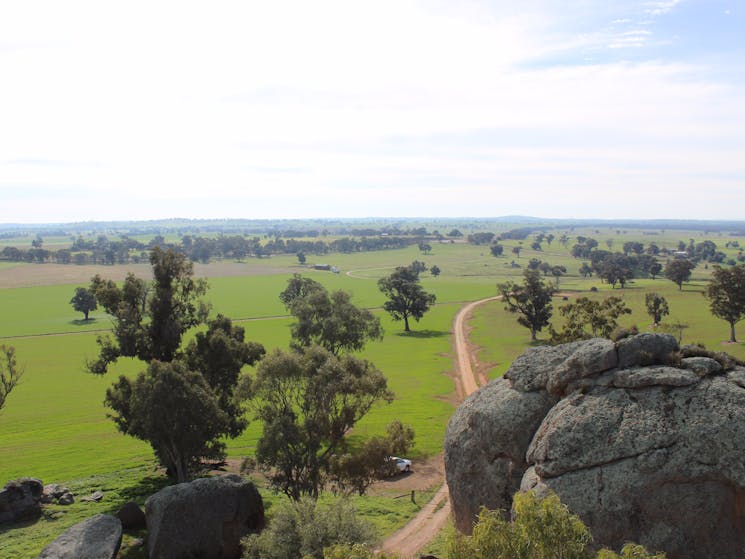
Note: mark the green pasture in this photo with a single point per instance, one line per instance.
(54, 425)
(500, 339)
(387, 510)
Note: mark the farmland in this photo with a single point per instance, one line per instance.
(54, 425)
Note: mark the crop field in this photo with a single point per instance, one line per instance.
(54, 425)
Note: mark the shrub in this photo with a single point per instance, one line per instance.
(304, 529)
(540, 529)
(727, 361)
(629, 551)
(356, 551)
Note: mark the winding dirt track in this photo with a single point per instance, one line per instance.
(434, 515)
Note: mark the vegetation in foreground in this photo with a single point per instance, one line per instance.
(541, 528)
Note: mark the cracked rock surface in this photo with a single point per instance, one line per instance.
(643, 445)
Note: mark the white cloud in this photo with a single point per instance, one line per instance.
(661, 7)
(296, 108)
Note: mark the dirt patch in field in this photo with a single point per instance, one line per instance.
(424, 474)
(32, 275)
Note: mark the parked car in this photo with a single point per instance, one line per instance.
(402, 464)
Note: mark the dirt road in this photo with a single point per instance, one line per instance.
(434, 515)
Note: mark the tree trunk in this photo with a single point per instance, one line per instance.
(533, 337)
(732, 332)
(406, 324)
(86, 315)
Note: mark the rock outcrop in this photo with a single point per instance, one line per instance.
(131, 516)
(20, 499)
(205, 518)
(642, 442)
(99, 537)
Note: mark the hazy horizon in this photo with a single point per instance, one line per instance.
(406, 109)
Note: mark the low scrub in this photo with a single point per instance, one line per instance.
(541, 529)
(303, 529)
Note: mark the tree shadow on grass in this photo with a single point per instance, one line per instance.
(82, 321)
(423, 334)
(143, 488)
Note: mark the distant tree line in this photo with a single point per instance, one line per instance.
(105, 251)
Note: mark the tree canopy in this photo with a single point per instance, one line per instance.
(10, 372)
(308, 402)
(84, 301)
(588, 318)
(657, 306)
(406, 297)
(330, 320)
(679, 271)
(726, 295)
(185, 402)
(531, 301)
(150, 320)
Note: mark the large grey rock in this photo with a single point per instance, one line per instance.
(586, 359)
(486, 439)
(702, 366)
(668, 474)
(648, 452)
(131, 516)
(654, 376)
(20, 499)
(99, 537)
(205, 518)
(531, 370)
(646, 349)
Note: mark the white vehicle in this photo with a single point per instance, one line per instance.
(402, 464)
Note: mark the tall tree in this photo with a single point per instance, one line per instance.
(149, 322)
(434, 270)
(657, 307)
(531, 300)
(496, 250)
(84, 301)
(298, 286)
(406, 297)
(557, 271)
(308, 403)
(330, 320)
(654, 269)
(726, 295)
(601, 317)
(679, 271)
(616, 268)
(185, 402)
(10, 372)
(426, 248)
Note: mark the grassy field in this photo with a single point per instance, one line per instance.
(54, 425)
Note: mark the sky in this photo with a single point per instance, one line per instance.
(343, 108)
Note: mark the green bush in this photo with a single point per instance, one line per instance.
(629, 551)
(356, 551)
(304, 529)
(541, 529)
